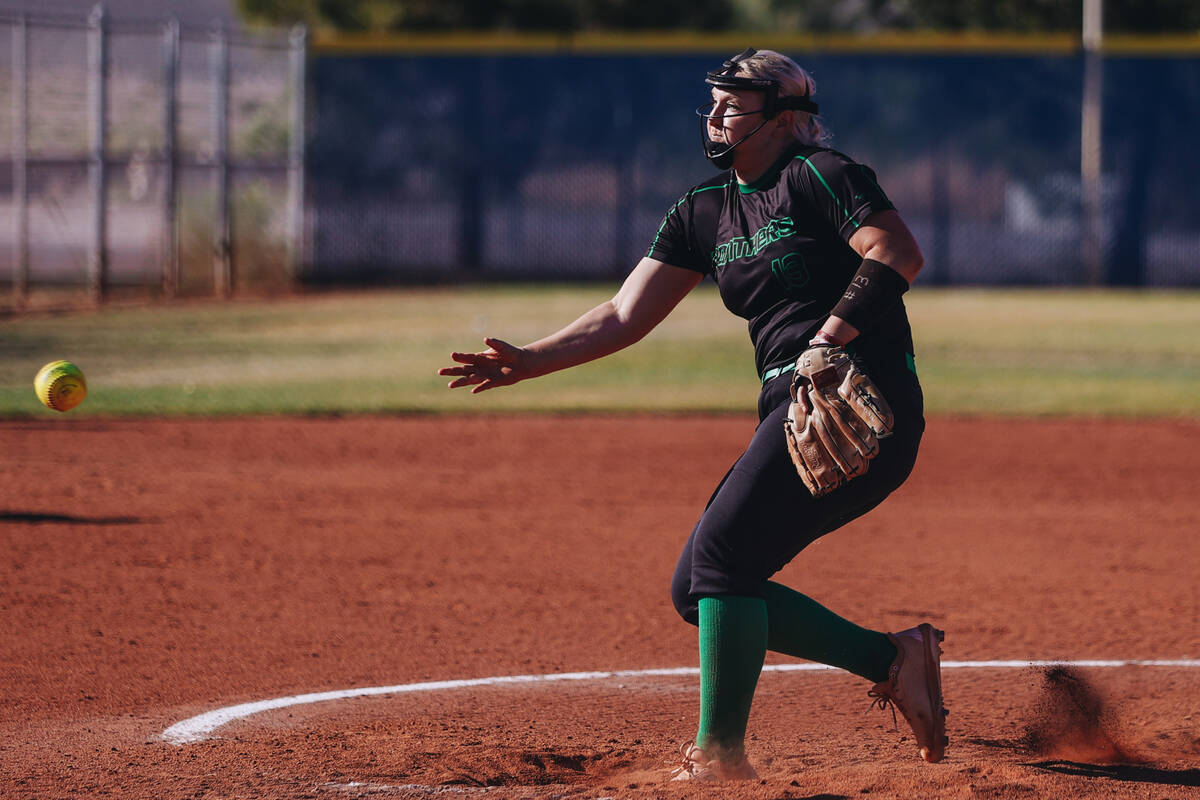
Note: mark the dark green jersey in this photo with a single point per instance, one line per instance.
(778, 250)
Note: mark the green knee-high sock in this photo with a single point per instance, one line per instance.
(733, 646)
(800, 626)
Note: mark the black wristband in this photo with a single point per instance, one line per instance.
(875, 288)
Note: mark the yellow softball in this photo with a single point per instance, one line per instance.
(60, 385)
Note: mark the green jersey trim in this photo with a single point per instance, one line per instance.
(821, 178)
(675, 208)
(768, 178)
(910, 361)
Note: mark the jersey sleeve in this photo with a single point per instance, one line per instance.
(674, 244)
(844, 191)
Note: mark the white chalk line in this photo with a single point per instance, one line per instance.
(200, 727)
(414, 788)
(359, 788)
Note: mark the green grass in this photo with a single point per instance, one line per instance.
(996, 352)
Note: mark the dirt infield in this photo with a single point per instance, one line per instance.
(156, 570)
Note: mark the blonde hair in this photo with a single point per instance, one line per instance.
(794, 81)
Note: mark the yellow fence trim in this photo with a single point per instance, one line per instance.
(597, 43)
(1173, 45)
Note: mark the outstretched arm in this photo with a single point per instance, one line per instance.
(650, 292)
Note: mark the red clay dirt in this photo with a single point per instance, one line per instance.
(155, 570)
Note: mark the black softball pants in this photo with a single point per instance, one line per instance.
(761, 515)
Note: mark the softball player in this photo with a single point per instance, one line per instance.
(804, 244)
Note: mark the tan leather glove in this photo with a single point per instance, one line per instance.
(836, 419)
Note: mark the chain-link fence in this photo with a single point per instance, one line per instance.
(149, 156)
(141, 157)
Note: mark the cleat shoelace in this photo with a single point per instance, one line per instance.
(686, 765)
(882, 700)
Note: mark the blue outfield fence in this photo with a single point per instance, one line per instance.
(560, 164)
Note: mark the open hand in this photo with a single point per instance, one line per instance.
(501, 364)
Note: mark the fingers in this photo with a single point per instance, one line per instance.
(494, 382)
(464, 376)
(468, 380)
(484, 370)
(470, 373)
(499, 345)
(487, 372)
(482, 365)
(473, 358)
(500, 351)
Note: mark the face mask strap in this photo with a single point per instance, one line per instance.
(727, 78)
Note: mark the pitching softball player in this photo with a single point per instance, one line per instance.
(803, 243)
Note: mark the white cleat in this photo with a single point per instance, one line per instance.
(914, 685)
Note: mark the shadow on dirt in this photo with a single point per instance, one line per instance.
(36, 518)
(1001, 744)
(1122, 772)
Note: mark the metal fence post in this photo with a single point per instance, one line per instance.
(297, 65)
(1091, 145)
(222, 246)
(20, 199)
(97, 101)
(170, 222)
